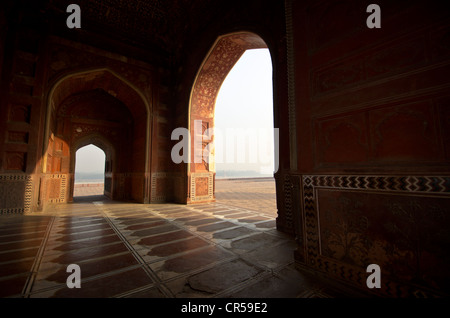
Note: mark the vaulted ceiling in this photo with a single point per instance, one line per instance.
(159, 26)
(157, 31)
(146, 23)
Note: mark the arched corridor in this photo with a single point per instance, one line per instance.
(96, 107)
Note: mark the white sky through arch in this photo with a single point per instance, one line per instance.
(89, 163)
(245, 101)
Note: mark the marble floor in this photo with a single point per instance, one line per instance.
(226, 249)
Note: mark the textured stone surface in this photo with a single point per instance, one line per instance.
(222, 277)
(172, 259)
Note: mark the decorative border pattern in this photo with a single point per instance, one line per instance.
(399, 184)
(288, 202)
(155, 176)
(210, 196)
(62, 188)
(26, 207)
(434, 184)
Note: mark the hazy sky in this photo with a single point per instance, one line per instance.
(244, 101)
(245, 97)
(90, 159)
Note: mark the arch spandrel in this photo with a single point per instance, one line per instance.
(223, 56)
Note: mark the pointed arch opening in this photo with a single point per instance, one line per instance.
(244, 136)
(224, 54)
(97, 106)
(89, 172)
(243, 116)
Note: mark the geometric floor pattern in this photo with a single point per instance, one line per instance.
(152, 251)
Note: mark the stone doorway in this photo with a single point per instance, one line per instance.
(225, 52)
(89, 177)
(245, 149)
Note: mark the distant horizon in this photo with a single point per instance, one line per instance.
(90, 177)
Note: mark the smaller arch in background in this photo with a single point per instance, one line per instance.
(90, 164)
(102, 143)
(112, 83)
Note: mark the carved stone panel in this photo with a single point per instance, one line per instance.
(342, 140)
(161, 187)
(15, 193)
(398, 222)
(444, 123)
(407, 236)
(20, 137)
(57, 188)
(406, 132)
(20, 113)
(202, 186)
(385, 136)
(15, 160)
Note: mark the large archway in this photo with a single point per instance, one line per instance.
(223, 55)
(101, 108)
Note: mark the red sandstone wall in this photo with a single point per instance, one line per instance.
(36, 61)
(20, 111)
(373, 151)
(3, 32)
